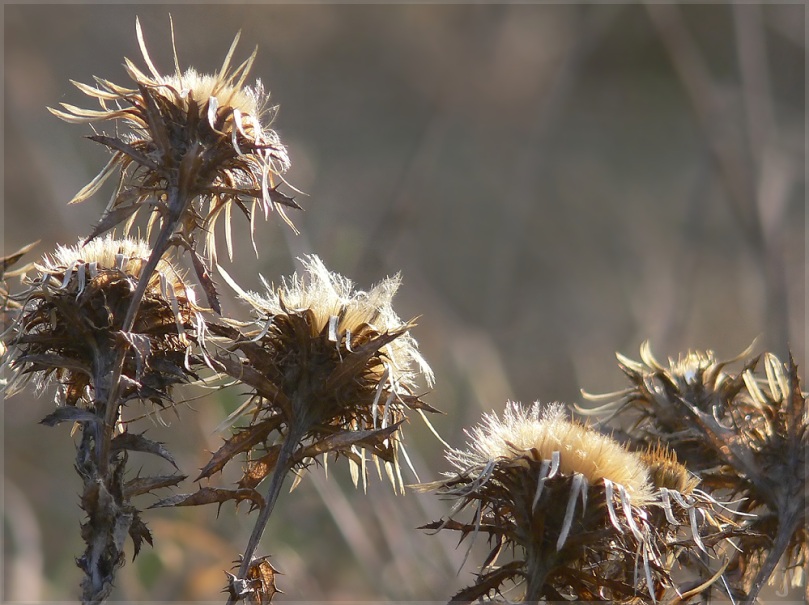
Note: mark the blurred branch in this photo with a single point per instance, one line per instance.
(594, 23)
(710, 110)
(740, 167)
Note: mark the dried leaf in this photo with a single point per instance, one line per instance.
(11, 259)
(47, 361)
(261, 575)
(112, 217)
(242, 441)
(119, 145)
(253, 378)
(139, 534)
(343, 441)
(210, 495)
(144, 485)
(486, 583)
(260, 468)
(69, 414)
(354, 362)
(138, 443)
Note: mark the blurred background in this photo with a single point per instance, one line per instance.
(555, 182)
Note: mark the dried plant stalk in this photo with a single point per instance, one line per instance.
(68, 331)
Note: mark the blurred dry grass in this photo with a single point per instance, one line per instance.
(555, 183)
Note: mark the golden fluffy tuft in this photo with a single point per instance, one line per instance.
(539, 433)
(186, 145)
(127, 255)
(336, 306)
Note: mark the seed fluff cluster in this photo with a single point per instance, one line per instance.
(583, 515)
(192, 146)
(333, 370)
(744, 434)
(70, 318)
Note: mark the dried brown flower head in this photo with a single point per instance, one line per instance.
(656, 400)
(744, 435)
(71, 315)
(334, 371)
(202, 139)
(570, 502)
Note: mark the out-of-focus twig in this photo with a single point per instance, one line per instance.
(740, 168)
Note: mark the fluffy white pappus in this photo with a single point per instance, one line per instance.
(251, 101)
(333, 299)
(128, 255)
(540, 433)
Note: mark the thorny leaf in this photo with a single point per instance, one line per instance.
(486, 583)
(138, 443)
(465, 528)
(69, 414)
(110, 218)
(139, 534)
(260, 468)
(242, 441)
(48, 361)
(795, 404)
(352, 364)
(261, 575)
(344, 440)
(144, 485)
(252, 378)
(209, 495)
(119, 145)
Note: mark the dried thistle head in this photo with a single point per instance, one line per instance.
(570, 502)
(660, 397)
(767, 447)
(70, 318)
(198, 137)
(334, 369)
(745, 437)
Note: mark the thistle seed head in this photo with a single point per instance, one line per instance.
(538, 434)
(571, 503)
(71, 316)
(204, 137)
(338, 369)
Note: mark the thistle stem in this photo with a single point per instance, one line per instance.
(110, 519)
(537, 570)
(176, 205)
(282, 467)
(786, 529)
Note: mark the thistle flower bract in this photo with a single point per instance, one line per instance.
(71, 315)
(334, 370)
(572, 503)
(202, 139)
